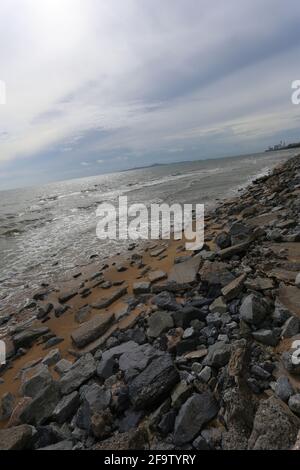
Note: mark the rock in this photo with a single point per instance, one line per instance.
(291, 361)
(232, 290)
(254, 309)
(111, 299)
(96, 400)
(239, 233)
(238, 249)
(267, 337)
(62, 445)
(294, 404)
(16, 438)
(153, 383)
(218, 355)
(155, 276)
(40, 409)
(66, 408)
(297, 280)
(193, 415)
(216, 273)
(180, 394)
(26, 338)
(260, 373)
(81, 371)
(6, 406)
(259, 283)
(34, 380)
(82, 315)
(66, 296)
(101, 424)
(157, 252)
(52, 357)
(184, 316)
(223, 240)
(218, 306)
(205, 374)
(283, 388)
(106, 365)
(165, 301)
(93, 329)
(53, 342)
(166, 424)
(186, 272)
(138, 358)
(62, 366)
(291, 327)
(158, 323)
(141, 288)
(275, 427)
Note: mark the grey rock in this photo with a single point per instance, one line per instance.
(26, 338)
(62, 445)
(254, 309)
(40, 409)
(193, 415)
(116, 295)
(267, 337)
(16, 438)
(138, 358)
(297, 280)
(92, 329)
(165, 301)
(283, 388)
(239, 233)
(294, 404)
(205, 374)
(223, 240)
(106, 365)
(52, 357)
(6, 406)
(81, 371)
(291, 361)
(66, 408)
(141, 288)
(153, 383)
(62, 366)
(218, 355)
(291, 327)
(186, 272)
(275, 426)
(34, 380)
(159, 322)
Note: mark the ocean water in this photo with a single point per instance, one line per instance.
(48, 231)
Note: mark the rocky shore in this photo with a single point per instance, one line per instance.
(168, 349)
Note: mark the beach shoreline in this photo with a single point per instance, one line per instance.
(254, 264)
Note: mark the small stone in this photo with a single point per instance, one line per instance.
(283, 388)
(205, 374)
(254, 309)
(294, 404)
(141, 288)
(52, 357)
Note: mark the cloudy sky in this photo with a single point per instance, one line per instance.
(96, 86)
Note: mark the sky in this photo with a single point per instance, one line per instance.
(96, 86)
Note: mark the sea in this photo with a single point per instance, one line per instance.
(48, 231)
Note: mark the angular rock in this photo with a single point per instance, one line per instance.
(81, 371)
(93, 329)
(275, 426)
(153, 383)
(238, 249)
(216, 273)
(158, 323)
(193, 415)
(40, 409)
(111, 299)
(218, 306)
(218, 355)
(26, 338)
(155, 276)
(239, 233)
(294, 404)
(141, 288)
(66, 408)
(223, 240)
(283, 388)
(106, 366)
(291, 327)
(52, 357)
(232, 290)
(34, 380)
(16, 438)
(6, 406)
(267, 337)
(186, 272)
(138, 358)
(254, 309)
(62, 366)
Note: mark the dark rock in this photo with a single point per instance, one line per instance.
(153, 383)
(34, 380)
(66, 296)
(81, 371)
(291, 327)
(40, 409)
(186, 272)
(218, 355)
(6, 406)
(111, 299)
(223, 240)
(239, 233)
(193, 415)
(158, 323)
(26, 338)
(294, 404)
(275, 427)
(16, 438)
(106, 366)
(66, 408)
(92, 330)
(254, 309)
(165, 301)
(283, 388)
(267, 337)
(141, 288)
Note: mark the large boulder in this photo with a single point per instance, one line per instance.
(34, 380)
(106, 366)
(40, 409)
(81, 371)
(154, 383)
(193, 415)
(275, 426)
